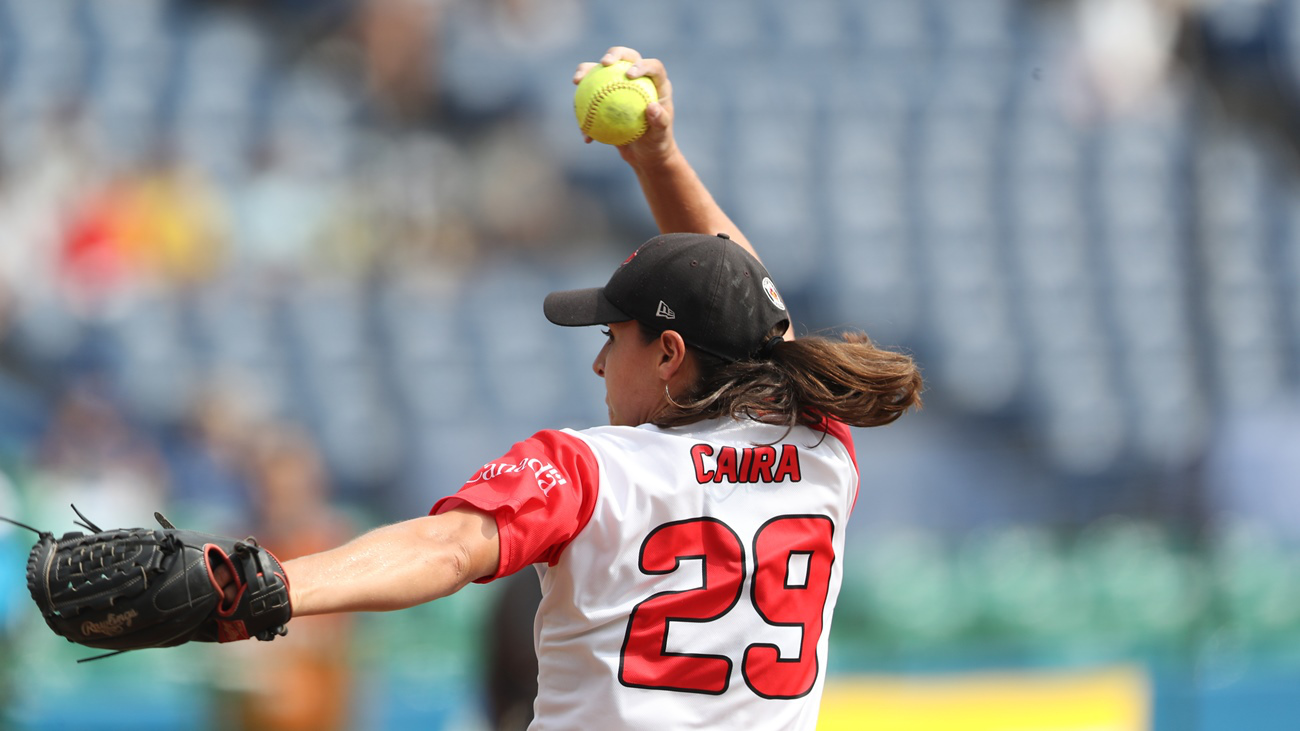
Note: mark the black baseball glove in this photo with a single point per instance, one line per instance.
(134, 588)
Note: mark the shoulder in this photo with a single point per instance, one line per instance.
(551, 458)
(618, 436)
(837, 429)
(840, 432)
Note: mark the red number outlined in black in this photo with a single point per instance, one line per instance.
(644, 660)
(781, 604)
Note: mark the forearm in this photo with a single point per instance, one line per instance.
(681, 203)
(679, 200)
(396, 566)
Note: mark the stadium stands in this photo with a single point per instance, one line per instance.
(1091, 295)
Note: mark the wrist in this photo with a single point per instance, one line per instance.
(293, 571)
(655, 160)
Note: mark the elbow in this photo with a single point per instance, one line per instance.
(447, 566)
(459, 565)
(462, 547)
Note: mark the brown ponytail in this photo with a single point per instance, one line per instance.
(803, 382)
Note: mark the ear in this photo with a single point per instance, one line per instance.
(672, 354)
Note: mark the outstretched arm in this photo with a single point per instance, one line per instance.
(396, 566)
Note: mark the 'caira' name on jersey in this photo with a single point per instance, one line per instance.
(749, 464)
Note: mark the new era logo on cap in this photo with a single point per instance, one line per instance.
(665, 311)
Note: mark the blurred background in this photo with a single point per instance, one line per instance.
(276, 266)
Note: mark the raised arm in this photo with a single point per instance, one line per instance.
(678, 199)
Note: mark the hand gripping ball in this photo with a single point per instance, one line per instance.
(610, 107)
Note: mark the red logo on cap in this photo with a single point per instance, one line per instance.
(630, 257)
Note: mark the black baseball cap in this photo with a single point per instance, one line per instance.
(708, 289)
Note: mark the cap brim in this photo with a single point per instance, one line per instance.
(581, 307)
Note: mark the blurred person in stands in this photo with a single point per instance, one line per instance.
(25, 385)
(1125, 52)
(91, 455)
(210, 456)
(13, 594)
(302, 682)
(400, 45)
(511, 670)
(159, 223)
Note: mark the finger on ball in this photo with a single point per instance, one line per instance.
(583, 69)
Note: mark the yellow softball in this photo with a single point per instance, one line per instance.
(610, 107)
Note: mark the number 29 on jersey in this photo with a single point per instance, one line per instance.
(791, 559)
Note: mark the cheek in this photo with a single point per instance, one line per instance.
(622, 376)
(616, 370)
(635, 379)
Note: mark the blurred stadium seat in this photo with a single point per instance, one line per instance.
(1091, 297)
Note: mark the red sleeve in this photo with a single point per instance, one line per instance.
(844, 434)
(542, 493)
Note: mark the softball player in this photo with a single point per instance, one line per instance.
(689, 552)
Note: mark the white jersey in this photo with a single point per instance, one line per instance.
(689, 575)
